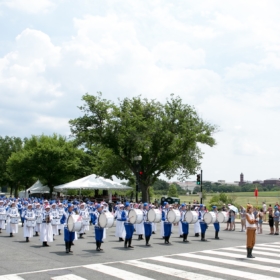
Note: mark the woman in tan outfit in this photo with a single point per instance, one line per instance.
(251, 230)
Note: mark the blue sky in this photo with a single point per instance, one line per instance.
(222, 57)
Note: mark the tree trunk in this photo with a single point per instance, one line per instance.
(145, 193)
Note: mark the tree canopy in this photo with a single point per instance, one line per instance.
(52, 159)
(165, 135)
(8, 145)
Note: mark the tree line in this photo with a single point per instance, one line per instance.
(106, 139)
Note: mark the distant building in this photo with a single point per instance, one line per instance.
(241, 182)
(271, 182)
(258, 182)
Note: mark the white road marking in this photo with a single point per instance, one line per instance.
(216, 269)
(171, 271)
(233, 262)
(116, 272)
(68, 277)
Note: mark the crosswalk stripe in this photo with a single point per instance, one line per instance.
(10, 277)
(233, 262)
(269, 245)
(232, 255)
(68, 277)
(118, 273)
(254, 251)
(266, 249)
(171, 271)
(216, 269)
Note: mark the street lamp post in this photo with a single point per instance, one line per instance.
(137, 159)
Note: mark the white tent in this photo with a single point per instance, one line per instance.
(37, 187)
(92, 182)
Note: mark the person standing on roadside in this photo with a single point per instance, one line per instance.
(243, 218)
(264, 211)
(270, 220)
(251, 230)
(276, 220)
(261, 215)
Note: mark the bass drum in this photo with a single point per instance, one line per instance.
(3, 217)
(106, 220)
(74, 223)
(191, 217)
(210, 217)
(154, 215)
(31, 223)
(14, 220)
(222, 217)
(173, 216)
(135, 216)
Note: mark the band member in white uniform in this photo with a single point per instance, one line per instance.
(183, 225)
(61, 212)
(166, 226)
(2, 215)
(139, 228)
(55, 215)
(216, 224)
(38, 214)
(202, 223)
(196, 226)
(46, 227)
(12, 212)
(147, 224)
(68, 236)
(28, 215)
(98, 230)
(85, 219)
(120, 215)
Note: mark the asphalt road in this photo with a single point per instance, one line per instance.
(22, 258)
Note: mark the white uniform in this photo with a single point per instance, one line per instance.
(2, 221)
(120, 230)
(61, 212)
(196, 227)
(28, 214)
(55, 215)
(38, 214)
(85, 222)
(165, 210)
(12, 227)
(46, 228)
(139, 228)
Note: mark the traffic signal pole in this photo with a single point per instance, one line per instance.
(201, 186)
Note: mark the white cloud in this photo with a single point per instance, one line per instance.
(30, 6)
(222, 57)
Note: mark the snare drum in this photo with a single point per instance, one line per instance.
(30, 223)
(85, 221)
(39, 220)
(173, 216)
(14, 220)
(74, 223)
(191, 217)
(55, 221)
(135, 216)
(154, 215)
(222, 217)
(210, 217)
(106, 220)
(3, 217)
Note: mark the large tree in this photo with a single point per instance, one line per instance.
(165, 135)
(52, 159)
(8, 145)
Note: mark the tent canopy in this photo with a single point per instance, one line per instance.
(38, 188)
(92, 182)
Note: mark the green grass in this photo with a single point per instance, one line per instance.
(242, 198)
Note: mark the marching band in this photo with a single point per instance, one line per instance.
(49, 218)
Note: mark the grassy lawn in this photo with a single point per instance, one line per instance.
(242, 198)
